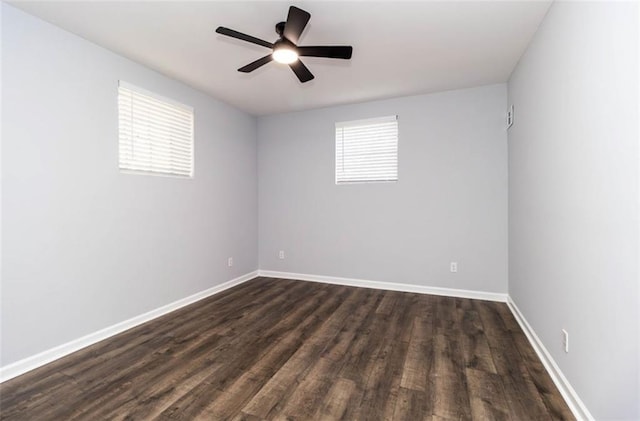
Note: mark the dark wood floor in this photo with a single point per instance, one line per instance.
(292, 350)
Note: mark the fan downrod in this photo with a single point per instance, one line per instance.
(280, 28)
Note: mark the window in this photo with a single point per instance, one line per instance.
(155, 135)
(367, 150)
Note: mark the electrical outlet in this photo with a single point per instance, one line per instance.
(230, 261)
(453, 267)
(281, 254)
(565, 340)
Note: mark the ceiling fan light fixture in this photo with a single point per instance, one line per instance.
(285, 55)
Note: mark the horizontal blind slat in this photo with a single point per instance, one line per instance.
(128, 148)
(128, 94)
(155, 139)
(142, 117)
(154, 158)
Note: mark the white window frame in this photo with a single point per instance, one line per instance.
(165, 144)
(363, 166)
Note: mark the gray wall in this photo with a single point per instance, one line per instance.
(573, 198)
(450, 203)
(84, 246)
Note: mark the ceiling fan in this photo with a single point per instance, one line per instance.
(285, 49)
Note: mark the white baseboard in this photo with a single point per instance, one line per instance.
(391, 286)
(20, 367)
(571, 397)
(574, 402)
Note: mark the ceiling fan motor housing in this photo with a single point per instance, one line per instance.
(284, 43)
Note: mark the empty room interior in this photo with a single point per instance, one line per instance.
(320, 210)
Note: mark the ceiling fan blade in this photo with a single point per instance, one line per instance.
(254, 65)
(296, 21)
(329, 51)
(301, 71)
(244, 37)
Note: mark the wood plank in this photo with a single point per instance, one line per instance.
(388, 302)
(473, 343)
(411, 405)
(486, 394)
(308, 395)
(363, 345)
(419, 359)
(338, 346)
(450, 388)
(336, 401)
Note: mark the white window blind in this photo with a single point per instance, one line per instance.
(367, 150)
(155, 135)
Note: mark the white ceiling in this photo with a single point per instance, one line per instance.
(399, 48)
